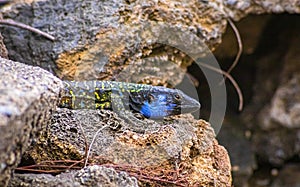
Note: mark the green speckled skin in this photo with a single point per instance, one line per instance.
(97, 94)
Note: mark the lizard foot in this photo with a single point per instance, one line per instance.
(138, 123)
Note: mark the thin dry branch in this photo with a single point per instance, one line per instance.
(234, 83)
(240, 44)
(145, 175)
(13, 23)
(90, 147)
(85, 140)
(240, 47)
(151, 175)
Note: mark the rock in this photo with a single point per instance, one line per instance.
(285, 106)
(3, 50)
(250, 37)
(289, 176)
(43, 180)
(133, 41)
(97, 175)
(89, 176)
(239, 9)
(98, 40)
(232, 137)
(177, 142)
(277, 146)
(27, 96)
(273, 114)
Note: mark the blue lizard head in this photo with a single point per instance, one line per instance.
(159, 102)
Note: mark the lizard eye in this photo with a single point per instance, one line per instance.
(177, 97)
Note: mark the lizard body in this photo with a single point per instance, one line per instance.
(151, 101)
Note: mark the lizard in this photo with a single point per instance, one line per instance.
(154, 102)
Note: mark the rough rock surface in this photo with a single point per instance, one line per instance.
(177, 142)
(268, 76)
(232, 137)
(250, 38)
(97, 39)
(288, 176)
(273, 114)
(89, 176)
(239, 9)
(134, 41)
(93, 38)
(3, 50)
(27, 95)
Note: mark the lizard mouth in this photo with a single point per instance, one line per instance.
(190, 105)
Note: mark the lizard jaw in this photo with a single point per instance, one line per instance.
(189, 105)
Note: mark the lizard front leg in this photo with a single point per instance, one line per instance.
(123, 110)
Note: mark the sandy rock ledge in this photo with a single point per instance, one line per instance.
(178, 150)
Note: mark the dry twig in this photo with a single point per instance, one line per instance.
(240, 48)
(234, 83)
(90, 147)
(13, 23)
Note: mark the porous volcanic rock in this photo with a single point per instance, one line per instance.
(89, 176)
(27, 96)
(99, 39)
(273, 114)
(176, 142)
